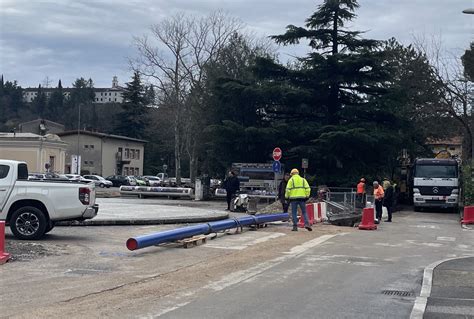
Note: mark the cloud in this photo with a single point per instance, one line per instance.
(92, 38)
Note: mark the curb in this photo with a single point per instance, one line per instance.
(157, 221)
(419, 307)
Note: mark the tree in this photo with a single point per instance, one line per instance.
(132, 120)
(327, 103)
(468, 63)
(453, 88)
(12, 107)
(39, 103)
(189, 43)
(56, 104)
(80, 110)
(235, 129)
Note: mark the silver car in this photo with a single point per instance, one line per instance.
(99, 180)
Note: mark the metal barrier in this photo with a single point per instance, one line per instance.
(142, 191)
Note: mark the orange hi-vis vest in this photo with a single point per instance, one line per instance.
(361, 188)
(379, 193)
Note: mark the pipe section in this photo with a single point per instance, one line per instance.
(201, 229)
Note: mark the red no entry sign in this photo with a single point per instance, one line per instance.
(277, 154)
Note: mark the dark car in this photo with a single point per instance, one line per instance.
(118, 180)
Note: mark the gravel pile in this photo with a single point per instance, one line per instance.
(25, 251)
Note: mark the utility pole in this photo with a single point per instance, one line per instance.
(78, 156)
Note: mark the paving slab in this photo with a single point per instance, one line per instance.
(118, 211)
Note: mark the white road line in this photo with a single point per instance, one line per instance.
(446, 238)
(243, 275)
(420, 303)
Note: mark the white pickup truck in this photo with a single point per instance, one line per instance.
(32, 207)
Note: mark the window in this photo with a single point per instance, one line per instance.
(110, 99)
(125, 171)
(127, 153)
(137, 154)
(86, 146)
(4, 169)
(137, 171)
(110, 93)
(101, 95)
(115, 99)
(51, 163)
(22, 172)
(452, 148)
(91, 146)
(96, 99)
(132, 154)
(115, 93)
(101, 99)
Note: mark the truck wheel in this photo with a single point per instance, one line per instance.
(101, 185)
(28, 223)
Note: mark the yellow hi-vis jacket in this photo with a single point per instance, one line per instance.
(297, 188)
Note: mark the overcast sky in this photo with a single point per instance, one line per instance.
(63, 39)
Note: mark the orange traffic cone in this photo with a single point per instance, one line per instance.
(3, 255)
(367, 222)
(468, 217)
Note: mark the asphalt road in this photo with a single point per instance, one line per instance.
(365, 274)
(332, 272)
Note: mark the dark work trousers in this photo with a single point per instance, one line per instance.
(389, 212)
(378, 209)
(229, 199)
(285, 204)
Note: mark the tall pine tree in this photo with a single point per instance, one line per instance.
(56, 104)
(132, 120)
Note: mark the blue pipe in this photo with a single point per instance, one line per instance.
(201, 229)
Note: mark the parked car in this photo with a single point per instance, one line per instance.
(132, 181)
(32, 207)
(118, 180)
(78, 178)
(153, 180)
(99, 180)
(141, 181)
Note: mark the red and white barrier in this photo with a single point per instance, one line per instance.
(4, 256)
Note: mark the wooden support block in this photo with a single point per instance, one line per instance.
(193, 241)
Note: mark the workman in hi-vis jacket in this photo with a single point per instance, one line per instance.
(297, 192)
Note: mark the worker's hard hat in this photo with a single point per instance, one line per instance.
(294, 171)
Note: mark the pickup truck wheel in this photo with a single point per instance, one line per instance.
(28, 223)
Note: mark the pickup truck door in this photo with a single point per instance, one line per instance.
(6, 183)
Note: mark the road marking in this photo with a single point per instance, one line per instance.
(446, 238)
(243, 275)
(243, 241)
(419, 307)
(426, 226)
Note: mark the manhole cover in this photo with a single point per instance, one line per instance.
(399, 293)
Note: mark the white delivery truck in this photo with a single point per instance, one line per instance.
(436, 183)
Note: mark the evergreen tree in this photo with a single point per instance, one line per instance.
(468, 63)
(327, 103)
(56, 104)
(132, 120)
(39, 103)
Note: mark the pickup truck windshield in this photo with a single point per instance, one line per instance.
(436, 171)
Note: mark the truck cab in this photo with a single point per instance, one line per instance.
(436, 183)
